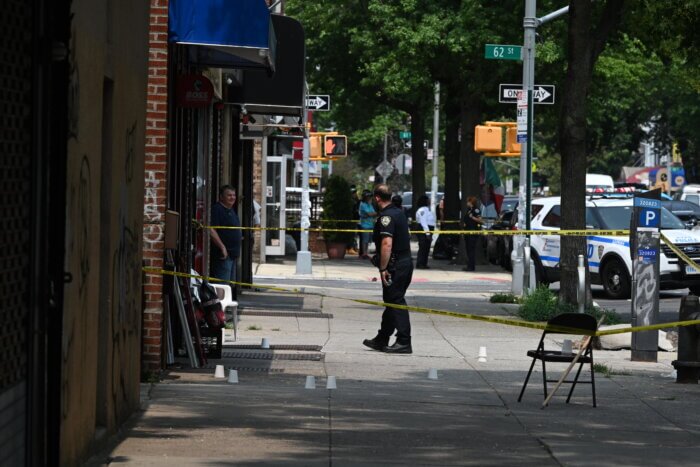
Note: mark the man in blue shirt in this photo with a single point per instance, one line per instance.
(225, 243)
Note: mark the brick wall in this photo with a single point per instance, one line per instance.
(155, 171)
(257, 192)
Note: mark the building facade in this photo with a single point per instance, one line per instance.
(73, 92)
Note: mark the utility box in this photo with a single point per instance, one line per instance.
(511, 140)
(488, 138)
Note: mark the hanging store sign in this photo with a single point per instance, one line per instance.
(194, 91)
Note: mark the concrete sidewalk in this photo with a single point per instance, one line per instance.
(354, 268)
(386, 412)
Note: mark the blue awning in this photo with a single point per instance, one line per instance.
(224, 33)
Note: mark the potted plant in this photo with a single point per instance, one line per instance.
(338, 205)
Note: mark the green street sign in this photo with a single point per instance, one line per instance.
(405, 134)
(503, 52)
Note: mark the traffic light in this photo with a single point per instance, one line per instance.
(315, 152)
(512, 145)
(335, 146)
(488, 138)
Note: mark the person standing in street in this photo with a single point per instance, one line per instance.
(393, 259)
(225, 243)
(472, 221)
(367, 215)
(426, 219)
(356, 200)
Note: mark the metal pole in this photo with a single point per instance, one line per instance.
(526, 267)
(530, 27)
(524, 192)
(304, 255)
(669, 170)
(436, 140)
(581, 285)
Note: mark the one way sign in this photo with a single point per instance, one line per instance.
(543, 93)
(318, 102)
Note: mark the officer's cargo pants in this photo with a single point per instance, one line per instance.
(393, 318)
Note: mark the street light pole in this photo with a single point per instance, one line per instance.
(304, 255)
(530, 24)
(525, 193)
(436, 140)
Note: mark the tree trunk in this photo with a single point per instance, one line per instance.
(470, 117)
(452, 160)
(583, 50)
(418, 155)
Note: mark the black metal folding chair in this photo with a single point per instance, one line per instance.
(567, 324)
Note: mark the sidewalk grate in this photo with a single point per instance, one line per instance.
(311, 348)
(287, 314)
(273, 356)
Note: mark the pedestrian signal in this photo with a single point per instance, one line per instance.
(335, 146)
(512, 144)
(315, 152)
(488, 139)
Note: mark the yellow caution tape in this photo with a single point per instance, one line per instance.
(432, 311)
(510, 233)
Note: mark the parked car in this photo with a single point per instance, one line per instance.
(509, 203)
(609, 257)
(498, 247)
(686, 211)
(691, 193)
(599, 183)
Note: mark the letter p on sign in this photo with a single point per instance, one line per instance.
(649, 218)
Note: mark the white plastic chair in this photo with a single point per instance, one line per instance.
(223, 291)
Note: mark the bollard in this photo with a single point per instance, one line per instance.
(688, 364)
(526, 267)
(581, 285)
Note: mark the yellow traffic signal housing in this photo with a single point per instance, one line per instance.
(512, 145)
(315, 151)
(488, 138)
(335, 146)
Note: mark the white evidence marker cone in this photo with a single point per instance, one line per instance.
(219, 372)
(482, 353)
(233, 376)
(265, 344)
(331, 383)
(310, 382)
(432, 373)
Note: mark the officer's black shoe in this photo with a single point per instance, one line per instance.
(398, 348)
(375, 344)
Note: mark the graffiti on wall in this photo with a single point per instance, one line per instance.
(126, 281)
(84, 208)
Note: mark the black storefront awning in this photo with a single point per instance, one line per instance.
(281, 93)
(224, 33)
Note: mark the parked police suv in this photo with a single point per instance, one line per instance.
(609, 258)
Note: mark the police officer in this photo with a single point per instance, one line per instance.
(472, 221)
(393, 259)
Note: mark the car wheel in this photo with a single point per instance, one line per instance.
(616, 279)
(492, 249)
(540, 277)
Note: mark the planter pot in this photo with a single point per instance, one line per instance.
(335, 250)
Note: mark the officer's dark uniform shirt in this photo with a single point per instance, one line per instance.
(231, 238)
(392, 222)
(469, 223)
